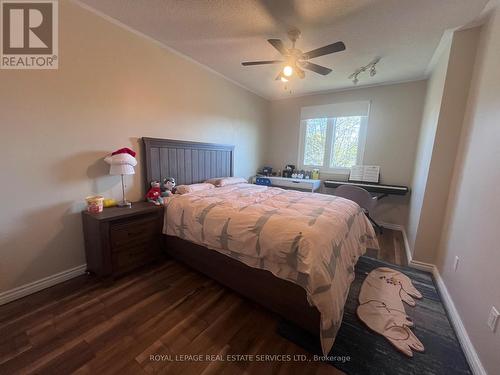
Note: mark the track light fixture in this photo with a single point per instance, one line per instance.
(370, 67)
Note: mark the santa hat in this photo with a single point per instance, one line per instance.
(121, 161)
(124, 150)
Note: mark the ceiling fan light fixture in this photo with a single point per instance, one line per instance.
(295, 60)
(287, 71)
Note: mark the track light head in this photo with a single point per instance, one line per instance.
(370, 67)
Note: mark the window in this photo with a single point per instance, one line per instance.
(315, 141)
(332, 143)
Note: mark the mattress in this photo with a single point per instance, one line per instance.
(313, 240)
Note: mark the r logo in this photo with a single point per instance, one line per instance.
(29, 28)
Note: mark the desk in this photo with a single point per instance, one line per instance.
(383, 190)
(302, 184)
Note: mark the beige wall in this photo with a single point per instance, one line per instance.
(472, 218)
(392, 133)
(441, 126)
(433, 98)
(112, 87)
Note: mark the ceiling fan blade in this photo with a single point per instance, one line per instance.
(331, 48)
(248, 63)
(278, 44)
(300, 73)
(315, 68)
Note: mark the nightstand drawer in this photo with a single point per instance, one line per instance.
(134, 232)
(133, 257)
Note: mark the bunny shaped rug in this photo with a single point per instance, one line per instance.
(381, 308)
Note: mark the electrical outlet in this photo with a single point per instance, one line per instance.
(455, 265)
(492, 318)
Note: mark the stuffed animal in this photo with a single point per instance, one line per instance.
(154, 194)
(168, 187)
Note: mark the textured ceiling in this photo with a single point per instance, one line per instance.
(222, 33)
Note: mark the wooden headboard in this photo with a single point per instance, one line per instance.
(187, 162)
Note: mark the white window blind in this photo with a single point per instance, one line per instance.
(346, 109)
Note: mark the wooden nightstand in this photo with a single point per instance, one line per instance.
(118, 240)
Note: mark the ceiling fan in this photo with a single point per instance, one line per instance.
(295, 60)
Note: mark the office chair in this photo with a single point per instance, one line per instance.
(362, 197)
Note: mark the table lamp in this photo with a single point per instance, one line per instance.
(122, 162)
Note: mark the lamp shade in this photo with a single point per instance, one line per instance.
(121, 163)
(119, 169)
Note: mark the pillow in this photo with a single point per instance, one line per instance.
(225, 181)
(184, 189)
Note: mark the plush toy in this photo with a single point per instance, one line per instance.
(168, 187)
(154, 194)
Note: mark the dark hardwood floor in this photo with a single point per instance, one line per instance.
(392, 248)
(90, 326)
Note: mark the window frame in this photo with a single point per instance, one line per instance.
(325, 168)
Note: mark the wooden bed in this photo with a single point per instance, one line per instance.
(193, 162)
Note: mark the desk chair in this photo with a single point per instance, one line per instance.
(362, 197)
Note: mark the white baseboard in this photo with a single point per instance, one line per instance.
(36, 286)
(411, 262)
(469, 351)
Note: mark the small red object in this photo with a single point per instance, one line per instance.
(124, 150)
(153, 193)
